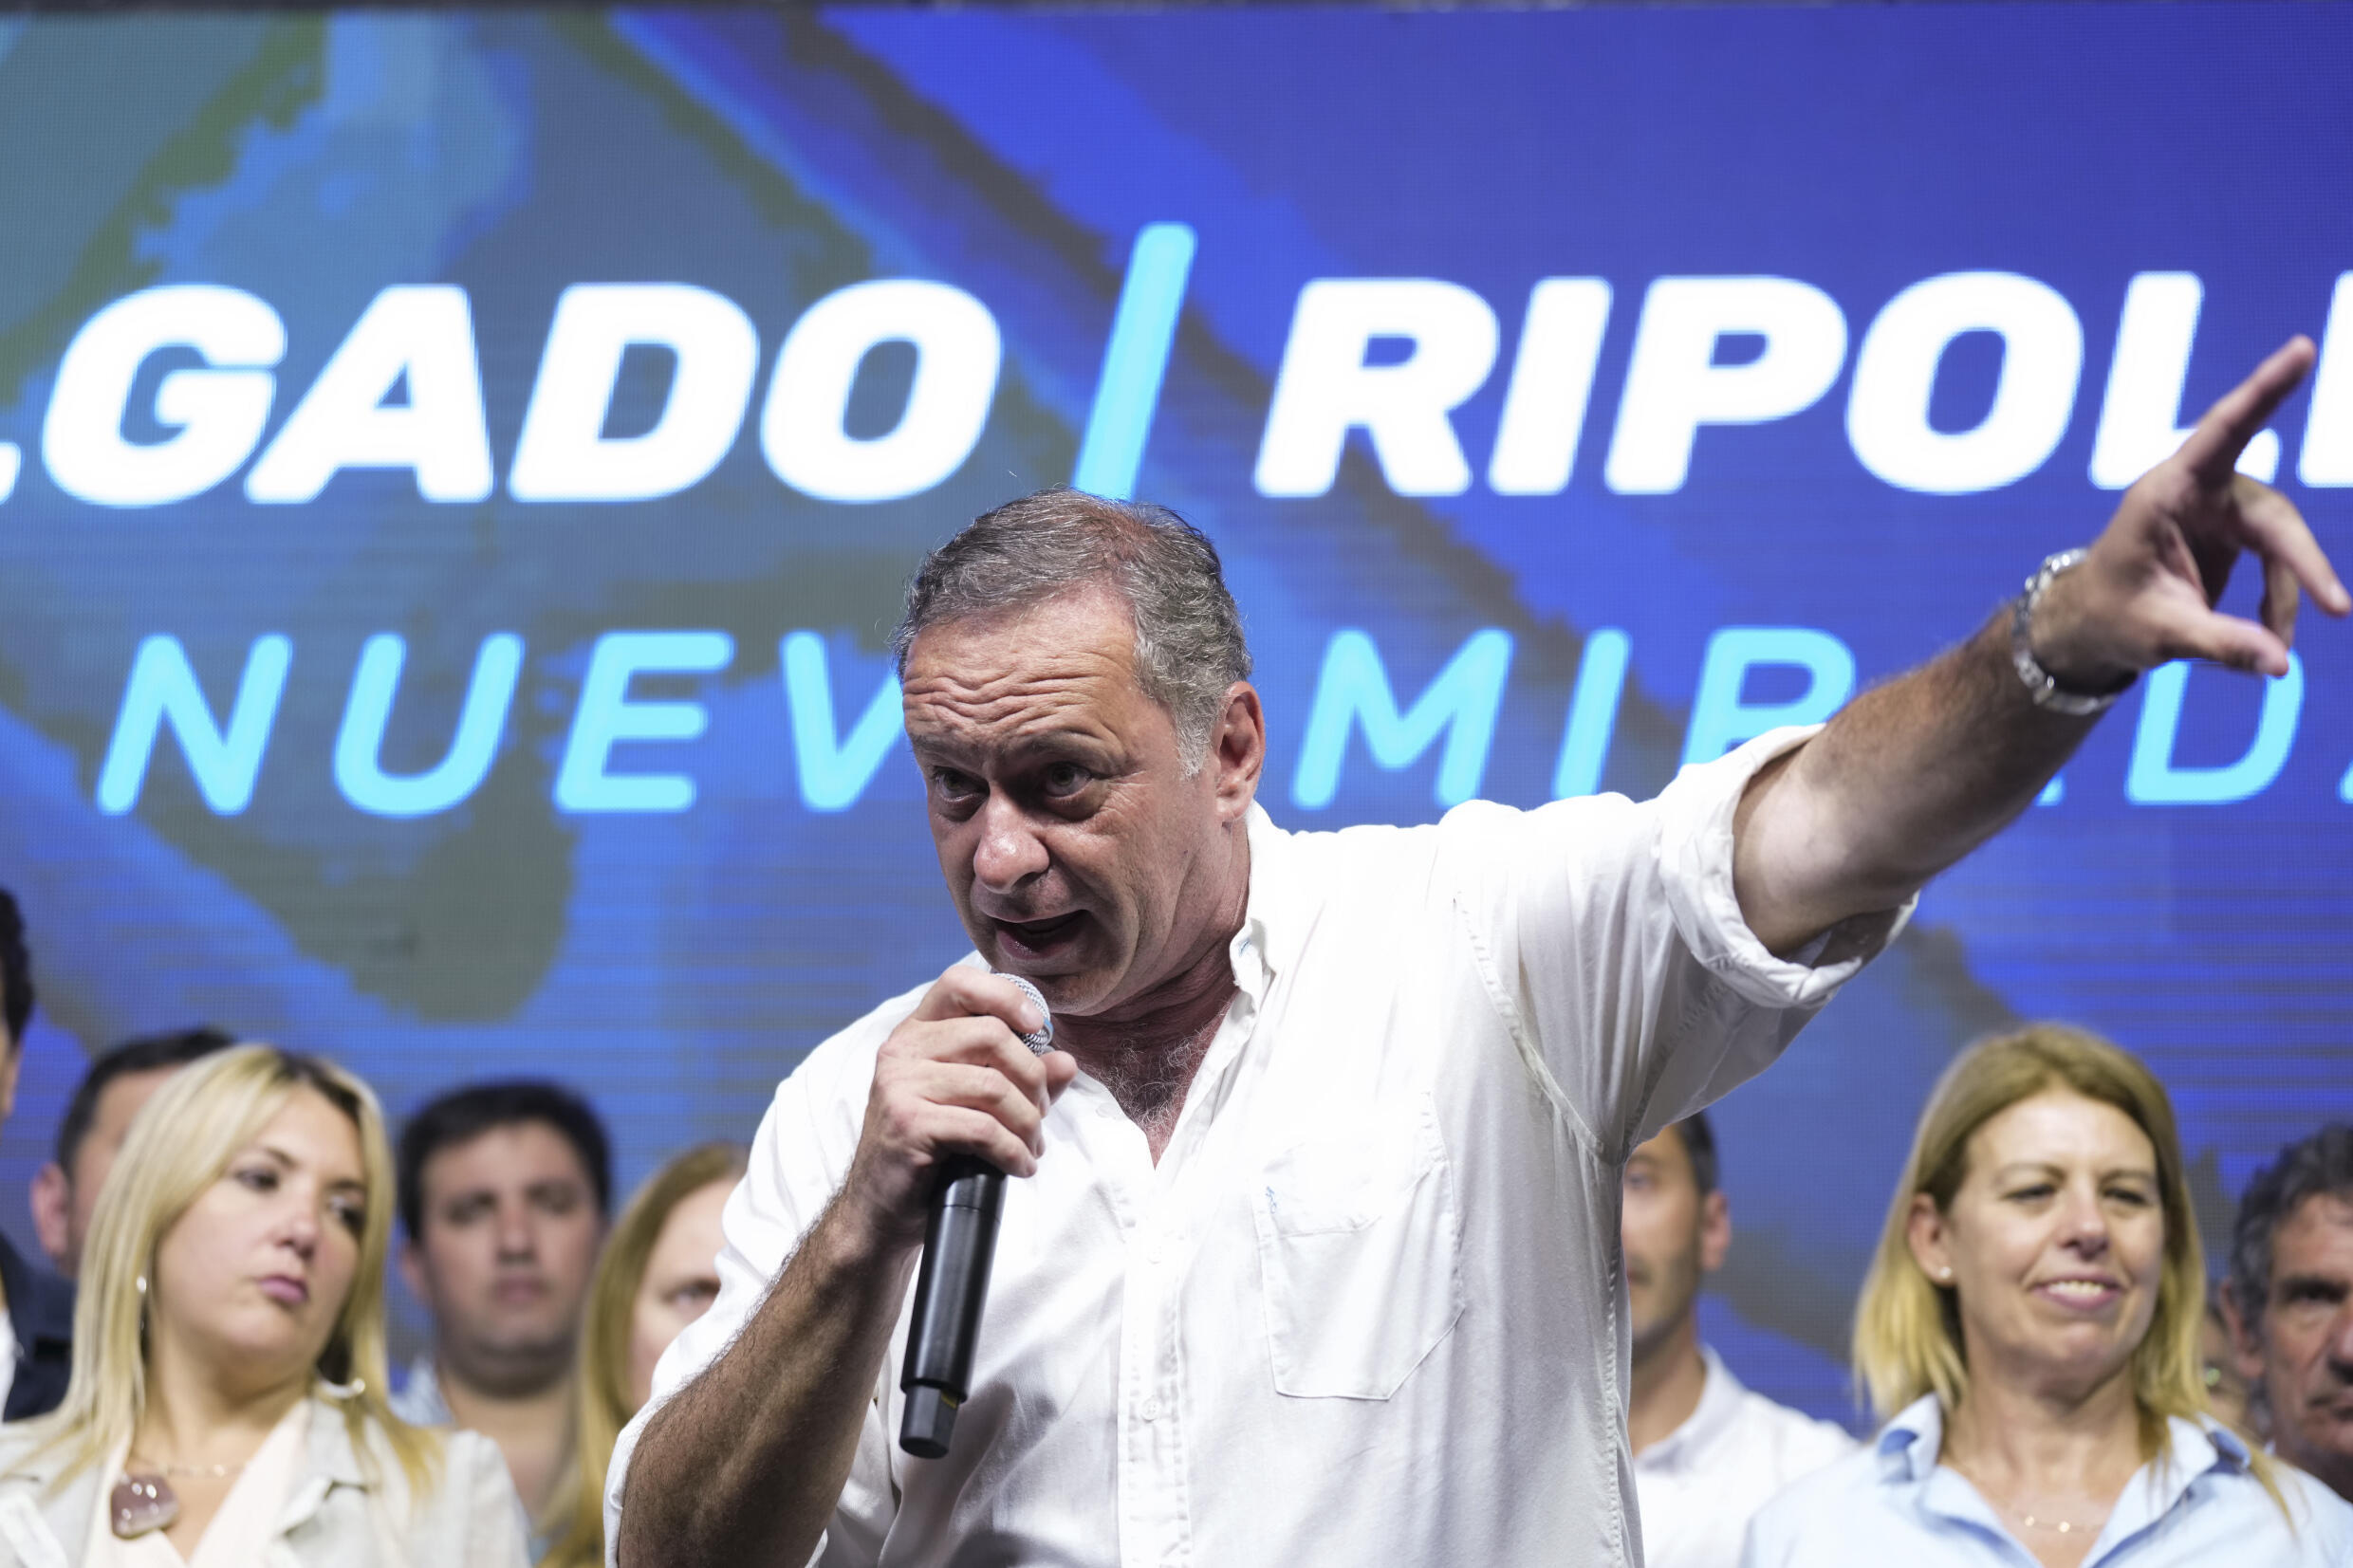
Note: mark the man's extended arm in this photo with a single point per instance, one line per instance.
(709, 1481)
(1914, 774)
(744, 1465)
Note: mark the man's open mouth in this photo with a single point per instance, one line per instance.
(1036, 935)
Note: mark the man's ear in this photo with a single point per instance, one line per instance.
(2246, 1341)
(1715, 1230)
(1237, 749)
(52, 1210)
(11, 1064)
(413, 1271)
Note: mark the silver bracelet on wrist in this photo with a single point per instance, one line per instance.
(2040, 685)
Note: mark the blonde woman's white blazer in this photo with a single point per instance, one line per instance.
(334, 1514)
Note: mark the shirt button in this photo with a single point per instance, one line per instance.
(1152, 1253)
(1150, 1410)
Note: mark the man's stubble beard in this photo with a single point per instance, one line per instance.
(1677, 1284)
(515, 1369)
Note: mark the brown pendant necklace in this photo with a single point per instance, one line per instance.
(144, 1499)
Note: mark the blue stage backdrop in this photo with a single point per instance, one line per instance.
(460, 472)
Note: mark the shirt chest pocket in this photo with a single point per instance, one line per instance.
(1358, 1242)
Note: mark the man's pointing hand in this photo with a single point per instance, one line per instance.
(2146, 592)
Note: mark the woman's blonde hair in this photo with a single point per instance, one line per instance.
(180, 1143)
(1908, 1329)
(606, 1402)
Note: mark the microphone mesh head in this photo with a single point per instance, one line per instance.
(1040, 1039)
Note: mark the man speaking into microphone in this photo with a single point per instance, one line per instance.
(1311, 1249)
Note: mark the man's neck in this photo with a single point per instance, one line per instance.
(2332, 1469)
(1147, 1049)
(1151, 1082)
(533, 1428)
(1666, 1387)
(522, 1403)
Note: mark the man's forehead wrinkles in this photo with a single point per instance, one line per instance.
(990, 680)
(1023, 710)
(2321, 1226)
(1008, 690)
(966, 743)
(944, 712)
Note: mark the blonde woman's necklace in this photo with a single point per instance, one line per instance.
(2057, 1526)
(144, 1499)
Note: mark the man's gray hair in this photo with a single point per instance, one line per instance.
(1189, 644)
(2318, 1166)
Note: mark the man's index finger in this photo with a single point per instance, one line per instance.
(2211, 450)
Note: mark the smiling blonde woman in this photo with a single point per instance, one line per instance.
(2029, 1330)
(226, 1402)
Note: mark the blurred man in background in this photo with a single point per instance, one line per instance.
(2291, 1302)
(1707, 1453)
(36, 1312)
(504, 1189)
(91, 1133)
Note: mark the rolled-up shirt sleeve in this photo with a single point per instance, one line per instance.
(1614, 945)
(799, 1159)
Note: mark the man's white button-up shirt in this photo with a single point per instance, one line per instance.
(1367, 1306)
(1703, 1482)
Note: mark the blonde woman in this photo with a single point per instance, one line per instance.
(226, 1402)
(658, 1274)
(2030, 1329)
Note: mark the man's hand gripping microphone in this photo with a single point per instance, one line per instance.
(958, 1245)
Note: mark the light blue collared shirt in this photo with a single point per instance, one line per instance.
(419, 1401)
(2202, 1505)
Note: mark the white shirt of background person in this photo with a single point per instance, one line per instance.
(1707, 1452)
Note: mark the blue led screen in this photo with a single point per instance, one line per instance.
(459, 471)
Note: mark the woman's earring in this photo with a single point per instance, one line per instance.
(140, 1285)
(333, 1390)
(1945, 1274)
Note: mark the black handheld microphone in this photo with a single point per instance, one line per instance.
(958, 1245)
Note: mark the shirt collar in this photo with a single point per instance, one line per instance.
(2208, 1445)
(1908, 1446)
(24, 1454)
(332, 1461)
(2197, 1449)
(421, 1394)
(1270, 934)
(1273, 924)
(328, 1448)
(1719, 1407)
